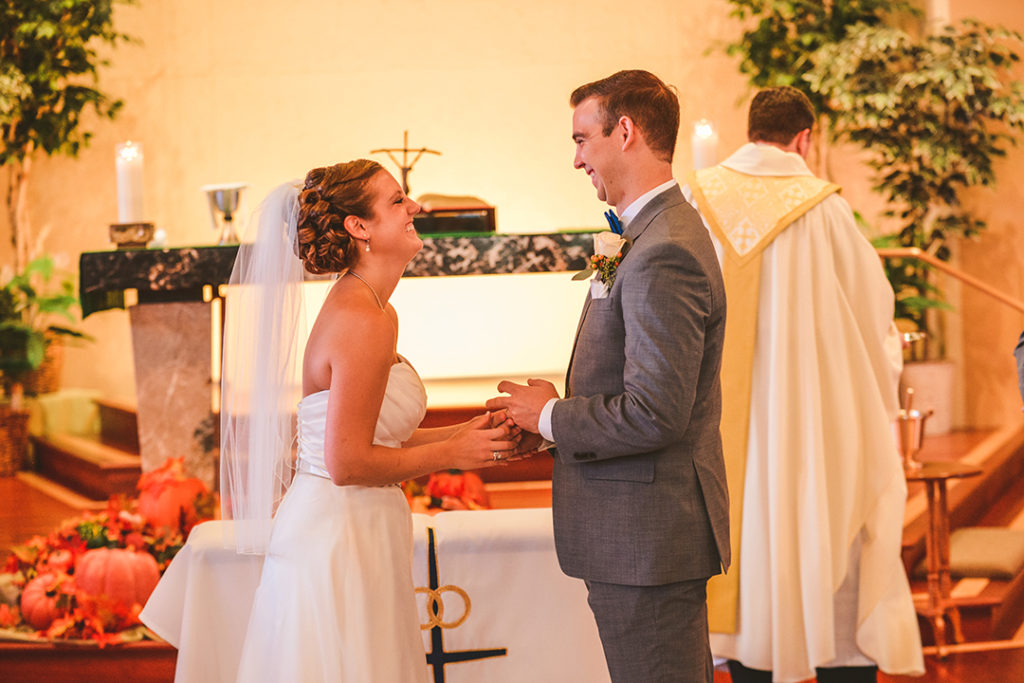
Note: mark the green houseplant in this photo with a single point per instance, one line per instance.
(780, 38)
(48, 72)
(34, 305)
(780, 41)
(934, 113)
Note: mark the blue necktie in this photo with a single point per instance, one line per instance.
(613, 221)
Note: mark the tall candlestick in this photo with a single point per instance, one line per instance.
(705, 145)
(129, 182)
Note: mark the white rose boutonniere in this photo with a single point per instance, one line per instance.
(605, 262)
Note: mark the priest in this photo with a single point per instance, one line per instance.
(810, 382)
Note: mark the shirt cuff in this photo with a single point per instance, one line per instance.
(544, 421)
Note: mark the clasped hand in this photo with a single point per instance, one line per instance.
(523, 405)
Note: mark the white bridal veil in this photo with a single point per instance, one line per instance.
(260, 387)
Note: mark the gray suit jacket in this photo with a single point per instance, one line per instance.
(639, 479)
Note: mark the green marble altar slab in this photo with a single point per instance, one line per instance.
(179, 274)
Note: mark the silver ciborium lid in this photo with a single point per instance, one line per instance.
(909, 431)
(225, 200)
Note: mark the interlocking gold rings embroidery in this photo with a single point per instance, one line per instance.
(435, 603)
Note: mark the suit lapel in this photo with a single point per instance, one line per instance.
(634, 230)
(667, 199)
(576, 340)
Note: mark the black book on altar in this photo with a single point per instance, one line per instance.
(453, 214)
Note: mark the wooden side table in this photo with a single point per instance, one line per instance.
(940, 605)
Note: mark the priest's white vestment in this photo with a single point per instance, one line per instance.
(821, 582)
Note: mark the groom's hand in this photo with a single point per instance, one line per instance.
(529, 444)
(524, 402)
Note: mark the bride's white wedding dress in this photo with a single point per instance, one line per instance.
(335, 601)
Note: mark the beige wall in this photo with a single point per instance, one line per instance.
(260, 92)
(990, 329)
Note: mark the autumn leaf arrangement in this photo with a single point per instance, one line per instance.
(447, 490)
(87, 580)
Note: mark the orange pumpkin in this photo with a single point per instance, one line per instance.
(167, 498)
(474, 491)
(39, 601)
(60, 560)
(124, 576)
(464, 486)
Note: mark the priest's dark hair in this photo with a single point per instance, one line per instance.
(328, 195)
(778, 115)
(643, 97)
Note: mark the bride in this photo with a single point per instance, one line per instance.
(335, 600)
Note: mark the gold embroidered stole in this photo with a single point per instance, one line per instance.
(746, 213)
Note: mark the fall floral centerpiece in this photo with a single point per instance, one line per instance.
(447, 490)
(87, 580)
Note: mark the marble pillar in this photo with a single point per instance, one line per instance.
(171, 345)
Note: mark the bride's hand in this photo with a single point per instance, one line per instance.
(483, 441)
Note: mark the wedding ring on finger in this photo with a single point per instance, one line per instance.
(496, 455)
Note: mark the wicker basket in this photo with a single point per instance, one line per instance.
(46, 378)
(13, 440)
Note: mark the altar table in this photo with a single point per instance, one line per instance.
(493, 601)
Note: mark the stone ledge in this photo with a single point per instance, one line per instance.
(179, 274)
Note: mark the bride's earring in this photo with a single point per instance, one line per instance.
(367, 244)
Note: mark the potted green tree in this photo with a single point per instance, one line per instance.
(48, 69)
(48, 72)
(33, 307)
(933, 110)
(934, 113)
(780, 42)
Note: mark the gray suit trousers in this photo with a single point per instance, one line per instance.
(654, 634)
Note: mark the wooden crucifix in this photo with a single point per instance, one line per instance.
(405, 165)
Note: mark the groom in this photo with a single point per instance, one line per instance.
(640, 503)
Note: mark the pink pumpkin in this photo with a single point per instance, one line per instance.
(167, 498)
(39, 601)
(124, 576)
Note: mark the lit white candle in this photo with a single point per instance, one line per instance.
(129, 183)
(938, 15)
(705, 145)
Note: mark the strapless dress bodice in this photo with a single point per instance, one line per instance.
(401, 412)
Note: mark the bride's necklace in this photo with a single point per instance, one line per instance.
(372, 290)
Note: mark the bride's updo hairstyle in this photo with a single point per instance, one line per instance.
(329, 195)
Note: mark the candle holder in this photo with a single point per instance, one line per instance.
(131, 235)
(224, 200)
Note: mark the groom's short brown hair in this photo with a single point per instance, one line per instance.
(643, 97)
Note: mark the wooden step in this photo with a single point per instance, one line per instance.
(87, 465)
(506, 495)
(141, 662)
(990, 609)
(119, 424)
(999, 454)
(1008, 612)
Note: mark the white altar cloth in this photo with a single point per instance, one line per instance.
(503, 561)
